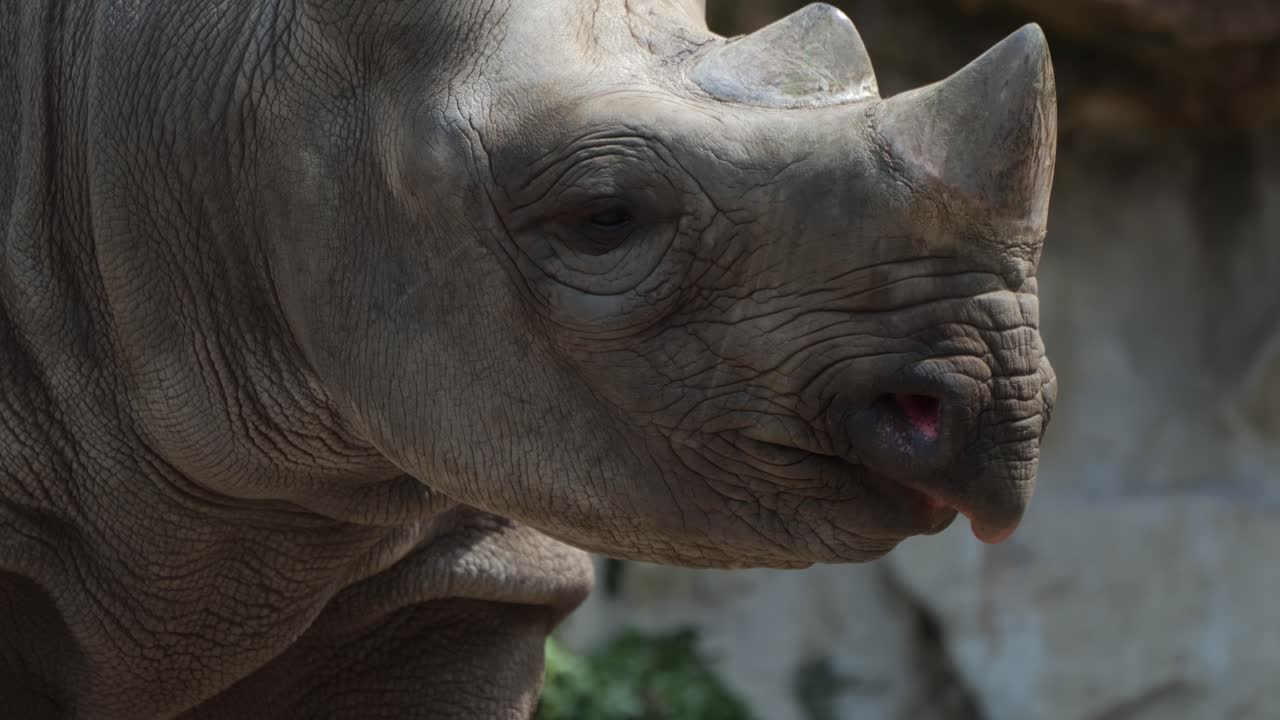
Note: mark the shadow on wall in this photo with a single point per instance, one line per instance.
(1141, 584)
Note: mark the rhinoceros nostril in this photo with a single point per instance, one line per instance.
(923, 412)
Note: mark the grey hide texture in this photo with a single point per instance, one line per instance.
(333, 331)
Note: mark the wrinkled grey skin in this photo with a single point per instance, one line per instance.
(320, 319)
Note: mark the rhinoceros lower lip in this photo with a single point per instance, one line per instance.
(935, 514)
(904, 510)
(933, 506)
(934, 503)
(992, 535)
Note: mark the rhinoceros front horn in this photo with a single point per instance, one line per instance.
(811, 58)
(987, 134)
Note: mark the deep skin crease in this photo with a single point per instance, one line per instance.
(332, 331)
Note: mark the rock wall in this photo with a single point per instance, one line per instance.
(1144, 581)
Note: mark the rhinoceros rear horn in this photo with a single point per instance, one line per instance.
(696, 10)
(811, 58)
(684, 14)
(988, 133)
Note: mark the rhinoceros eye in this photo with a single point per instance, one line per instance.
(612, 218)
(603, 228)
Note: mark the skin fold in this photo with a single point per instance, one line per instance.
(333, 332)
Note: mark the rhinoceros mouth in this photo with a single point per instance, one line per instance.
(928, 513)
(885, 507)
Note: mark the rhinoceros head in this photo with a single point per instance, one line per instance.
(668, 295)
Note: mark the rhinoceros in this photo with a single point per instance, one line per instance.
(334, 333)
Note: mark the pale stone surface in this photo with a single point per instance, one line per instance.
(761, 629)
(1145, 608)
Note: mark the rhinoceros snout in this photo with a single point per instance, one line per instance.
(964, 444)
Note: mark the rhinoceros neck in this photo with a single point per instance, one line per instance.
(172, 484)
(57, 363)
(106, 411)
(133, 291)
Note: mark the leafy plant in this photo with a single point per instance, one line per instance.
(636, 677)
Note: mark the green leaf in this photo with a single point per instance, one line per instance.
(636, 677)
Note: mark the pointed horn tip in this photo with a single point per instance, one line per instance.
(1031, 33)
(825, 10)
(1026, 43)
(1022, 58)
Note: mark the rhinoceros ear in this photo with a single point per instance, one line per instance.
(812, 57)
(988, 132)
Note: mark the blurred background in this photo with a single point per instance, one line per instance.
(1145, 581)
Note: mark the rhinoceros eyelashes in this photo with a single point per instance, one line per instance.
(604, 230)
(612, 219)
(598, 227)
